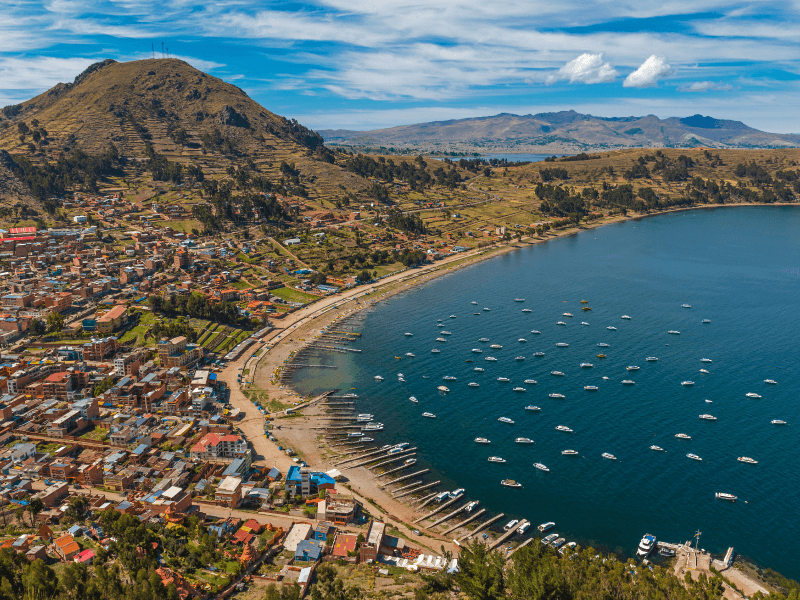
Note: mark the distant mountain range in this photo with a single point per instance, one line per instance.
(564, 131)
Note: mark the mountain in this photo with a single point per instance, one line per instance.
(564, 131)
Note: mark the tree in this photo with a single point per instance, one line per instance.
(38, 327)
(55, 322)
(39, 580)
(480, 572)
(35, 507)
(330, 587)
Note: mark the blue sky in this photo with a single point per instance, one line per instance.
(368, 64)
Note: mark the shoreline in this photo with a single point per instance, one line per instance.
(297, 335)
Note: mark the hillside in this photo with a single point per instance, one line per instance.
(184, 115)
(565, 131)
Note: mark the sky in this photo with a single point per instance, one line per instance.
(367, 64)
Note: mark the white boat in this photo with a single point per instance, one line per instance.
(591, 388)
(556, 395)
(445, 332)
(428, 415)
(410, 461)
(709, 401)
(687, 383)
(686, 306)
(651, 359)
(487, 309)
(569, 452)
(646, 546)
(506, 420)
(748, 460)
(538, 353)
(435, 351)
(632, 368)
(683, 436)
(378, 378)
(706, 321)
(557, 373)
(519, 299)
(473, 384)
(524, 440)
(724, 496)
(456, 493)
(674, 332)
(532, 407)
(522, 340)
(442, 388)
(547, 540)
(566, 314)
(504, 379)
(778, 422)
(603, 345)
(475, 303)
(355, 434)
(408, 334)
(471, 506)
(693, 457)
(523, 528)
(511, 524)
(605, 378)
(510, 483)
(546, 526)
(496, 346)
(541, 467)
(708, 417)
(608, 456)
(563, 428)
(496, 459)
(409, 354)
(366, 439)
(628, 382)
(482, 440)
(584, 323)
(440, 339)
(477, 351)
(519, 389)
(752, 395)
(535, 331)
(704, 371)
(490, 359)
(570, 547)
(483, 340)
(657, 448)
(413, 399)
(562, 345)
(586, 365)
(708, 360)
(771, 381)
(449, 378)
(526, 310)
(520, 358)
(561, 323)
(478, 369)
(531, 381)
(611, 328)
(626, 317)
(453, 317)
(401, 380)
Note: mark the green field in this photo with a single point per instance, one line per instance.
(293, 295)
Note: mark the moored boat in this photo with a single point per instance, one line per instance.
(752, 395)
(693, 457)
(778, 422)
(569, 452)
(557, 373)
(586, 365)
(443, 388)
(428, 415)
(771, 381)
(496, 459)
(646, 546)
(541, 467)
(555, 395)
(530, 381)
(708, 417)
(473, 384)
(524, 440)
(683, 436)
(510, 525)
(626, 317)
(724, 496)
(628, 382)
(563, 428)
(657, 448)
(506, 420)
(548, 539)
(748, 460)
(651, 359)
(532, 407)
(562, 345)
(687, 383)
(591, 388)
(519, 389)
(546, 526)
(674, 332)
(510, 483)
(608, 456)
(482, 440)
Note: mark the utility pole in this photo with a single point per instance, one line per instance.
(152, 50)
(697, 539)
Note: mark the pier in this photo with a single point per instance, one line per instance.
(390, 461)
(448, 516)
(507, 535)
(399, 479)
(404, 454)
(347, 460)
(482, 527)
(396, 469)
(522, 545)
(462, 523)
(440, 509)
(419, 489)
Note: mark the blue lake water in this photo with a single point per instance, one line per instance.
(737, 266)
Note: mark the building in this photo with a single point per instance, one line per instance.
(66, 547)
(60, 386)
(229, 492)
(214, 446)
(344, 545)
(298, 533)
(127, 364)
(113, 319)
(306, 482)
(99, 348)
(309, 550)
(88, 407)
(177, 353)
(66, 424)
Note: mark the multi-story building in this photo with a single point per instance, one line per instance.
(214, 446)
(67, 423)
(177, 353)
(127, 364)
(99, 348)
(113, 319)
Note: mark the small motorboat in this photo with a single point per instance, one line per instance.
(522, 340)
(440, 339)
(519, 389)
(534, 331)
(628, 382)
(657, 448)
(428, 415)
(748, 460)
(566, 314)
(538, 353)
(687, 383)
(563, 428)
(410, 354)
(378, 378)
(591, 388)
(453, 317)
(724, 496)
(556, 395)
(490, 359)
(632, 368)
(608, 456)
(541, 467)
(532, 407)
(475, 303)
(771, 381)
(524, 440)
(610, 328)
(442, 388)
(478, 369)
(778, 422)
(601, 356)
(523, 528)
(510, 483)
(694, 457)
(683, 436)
(706, 321)
(569, 452)
(520, 358)
(584, 323)
(483, 340)
(413, 398)
(506, 420)
(651, 359)
(704, 371)
(473, 384)
(586, 365)
(626, 317)
(526, 310)
(674, 332)
(487, 309)
(496, 459)
(408, 334)
(706, 360)
(603, 345)
(496, 346)
(752, 395)
(530, 381)
(561, 323)
(519, 299)
(562, 345)
(503, 379)
(482, 440)
(557, 373)
(708, 417)
(435, 351)
(449, 378)
(477, 350)
(686, 306)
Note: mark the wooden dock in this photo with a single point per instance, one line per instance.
(404, 477)
(419, 489)
(404, 454)
(440, 509)
(482, 527)
(462, 523)
(347, 460)
(448, 516)
(396, 469)
(522, 545)
(507, 535)
(394, 458)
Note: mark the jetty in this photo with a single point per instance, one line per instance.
(507, 535)
(404, 454)
(440, 509)
(404, 477)
(419, 489)
(448, 516)
(482, 527)
(396, 469)
(394, 458)
(464, 522)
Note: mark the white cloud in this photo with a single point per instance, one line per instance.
(41, 72)
(651, 70)
(706, 86)
(587, 68)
